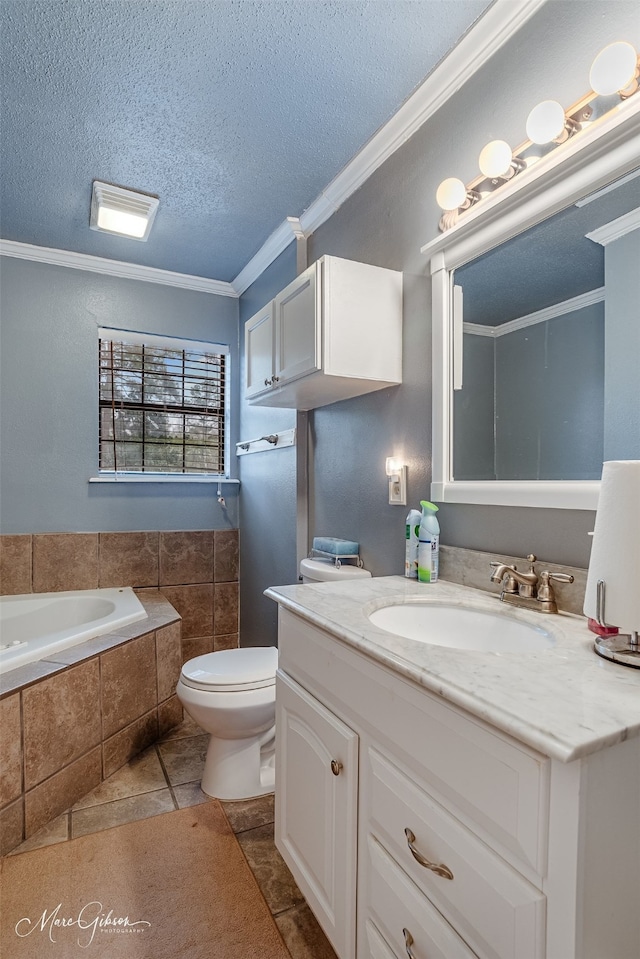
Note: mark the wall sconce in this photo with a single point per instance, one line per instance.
(615, 71)
(397, 473)
(122, 212)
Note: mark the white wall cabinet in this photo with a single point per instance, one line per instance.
(469, 843)
(333, 333)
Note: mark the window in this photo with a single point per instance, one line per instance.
(162, 404)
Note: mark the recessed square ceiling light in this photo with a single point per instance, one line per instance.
(120, 211)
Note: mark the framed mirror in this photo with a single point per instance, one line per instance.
(536, 328)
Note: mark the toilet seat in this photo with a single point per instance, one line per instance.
(232, 670)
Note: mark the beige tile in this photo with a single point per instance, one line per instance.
(169, 659)
(142, 774)
(302, 934)
(15, 565)
(186, 730)
(184, 758)
(65, 561)
(128, 559)
(128, 679)
(189, 794)
(195, 605)
(11, 826)
(138, 735)
(56, 831)
(250, 813)
(10, 749)
(186, 557)
(170, 716)
(27, 675)
(273, 877)
(225, 609)
(228, 641)
(131, 809)
(61, 718)
(198, 646)
(226, 556)
(61, 791)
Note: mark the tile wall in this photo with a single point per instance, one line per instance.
(76, 719)
(197, 570)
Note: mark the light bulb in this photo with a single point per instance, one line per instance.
(546, 122)
(495, 159)
(613, 69)
(451, 194)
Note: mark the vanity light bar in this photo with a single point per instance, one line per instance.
(614, 71)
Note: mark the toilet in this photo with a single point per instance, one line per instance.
(231, 694)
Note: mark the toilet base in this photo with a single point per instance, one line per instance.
(240, 769)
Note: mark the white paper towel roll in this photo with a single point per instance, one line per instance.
(615, 551)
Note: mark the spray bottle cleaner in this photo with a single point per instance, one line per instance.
(428, 543)
(412, 524)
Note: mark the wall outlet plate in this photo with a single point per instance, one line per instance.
(398, 488)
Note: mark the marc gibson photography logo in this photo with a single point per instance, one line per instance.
(91, 919)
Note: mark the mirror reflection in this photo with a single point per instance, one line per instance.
(551, 346)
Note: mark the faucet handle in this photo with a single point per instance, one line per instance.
(531, 560)
(558, 577)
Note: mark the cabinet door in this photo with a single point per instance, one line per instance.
(316, 808)
(297, 329)
(258, 351)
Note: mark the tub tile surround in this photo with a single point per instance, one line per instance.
(107, 708)
(113, 695)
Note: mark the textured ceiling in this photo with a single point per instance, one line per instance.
(236, 113)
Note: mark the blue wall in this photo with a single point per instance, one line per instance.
(268, 500)
(49, 400)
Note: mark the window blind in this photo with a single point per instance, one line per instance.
(162, 405)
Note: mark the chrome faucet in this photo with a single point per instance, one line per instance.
(529, 590)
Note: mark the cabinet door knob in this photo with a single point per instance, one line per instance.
(335, 767)
(439, 869)
(276, 379)
(408, 942)
(268, 382)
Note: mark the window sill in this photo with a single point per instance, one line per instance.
(162, 478)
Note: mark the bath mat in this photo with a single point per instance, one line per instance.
(176, 886)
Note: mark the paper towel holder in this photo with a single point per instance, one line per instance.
(624, 648)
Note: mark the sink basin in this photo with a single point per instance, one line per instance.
(459, 627)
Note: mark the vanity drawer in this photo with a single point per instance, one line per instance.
(494, 908)
(396, 904)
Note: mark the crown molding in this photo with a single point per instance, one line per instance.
(616, 228)
(540, 316)
(484, 38)
(289, 230)
(129, 271)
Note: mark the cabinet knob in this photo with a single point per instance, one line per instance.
(268, 382)
(276, 379)
(439, 868)
(335, 767)
(408, 942)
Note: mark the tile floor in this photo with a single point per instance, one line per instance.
(166, 777)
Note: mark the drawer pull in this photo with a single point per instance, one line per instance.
(440, 870)
(408, 942)
(335, 767)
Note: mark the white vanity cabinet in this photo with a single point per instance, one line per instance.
(333, 333)
(469, 842)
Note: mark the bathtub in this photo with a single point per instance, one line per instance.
(36, 625)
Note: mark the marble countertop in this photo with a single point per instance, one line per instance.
(564, 701)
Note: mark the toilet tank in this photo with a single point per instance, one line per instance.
(324, 570)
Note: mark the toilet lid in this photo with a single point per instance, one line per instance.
(232, 670)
